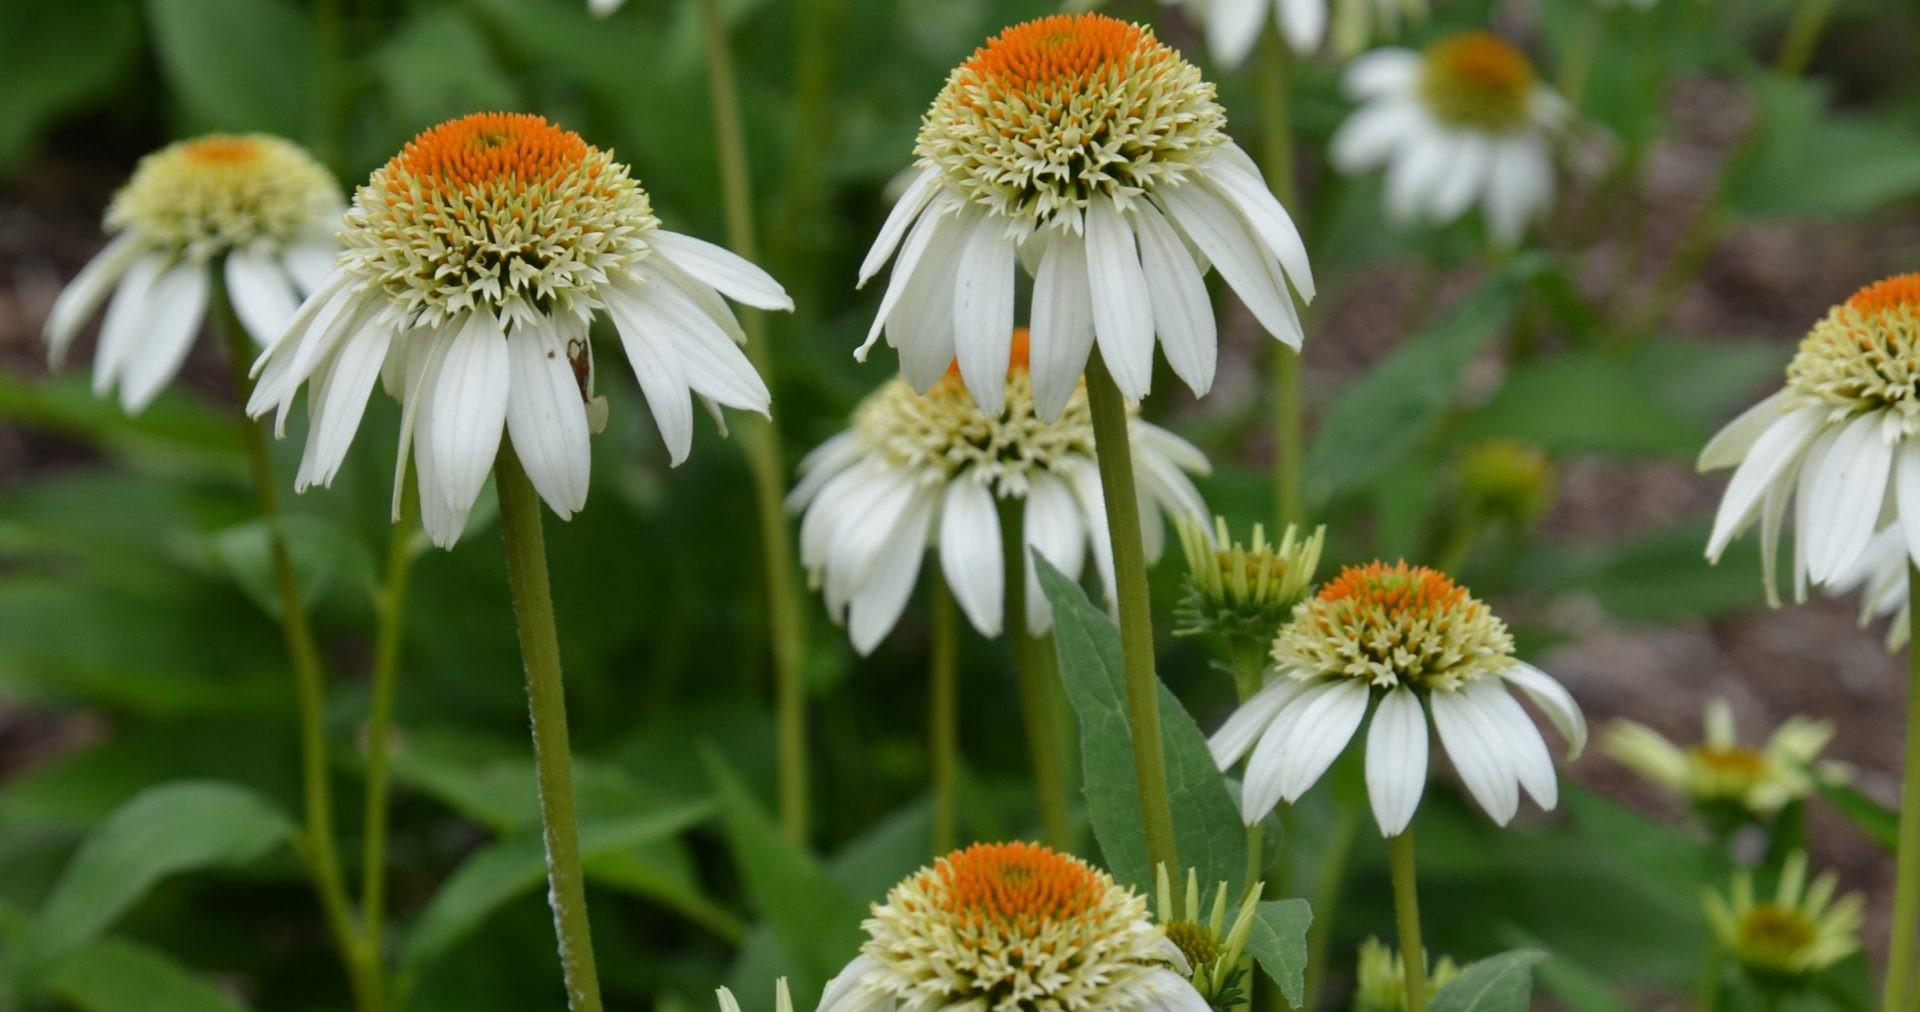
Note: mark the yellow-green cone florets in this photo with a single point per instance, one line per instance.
(1399, 624)
(205, 196)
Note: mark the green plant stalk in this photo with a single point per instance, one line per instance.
(1326, 897)
(1249, 662)
(785, 623)
(526, 551)
(943, 663)
(1406, 911)
(1906, 887)
(1803, 37)
(317, 846)
(1289, 419)
(1113, 449)
(815, 45)
(1036, 673)
(329, 32)
(1579, 62)
(390, 607)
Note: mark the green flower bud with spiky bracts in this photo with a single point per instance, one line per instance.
(1243, 591)
(1381, 979)
(1215, 951)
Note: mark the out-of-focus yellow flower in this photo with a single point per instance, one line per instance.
(1505, 481)
(1801, 931)
(1719, 770)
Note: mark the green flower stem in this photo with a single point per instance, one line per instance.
(1406, 910)
(1578, 65)
(1803, 37)
(1036, 672)
(1326, 896)
(943, 663)
(1289, 420)
(1906, 888)
(546, 698)
(1248, 658)
(390, 607)
(1112, 447)
(785, 625)
(316, 838)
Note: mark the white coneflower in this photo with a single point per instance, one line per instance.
(1081, 147)
(1414, 641)
(1009, 927)
(1466, 121)
(917, 470)
(256, 208)
(1801, 931)
(1719, 770)
(474, 261)
(1234, 26)
(1839, 437)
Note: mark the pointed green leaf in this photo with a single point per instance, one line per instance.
(1502, 983)
(1279, 943)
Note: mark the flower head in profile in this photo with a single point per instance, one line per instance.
(474, 261)
(1464, 122)
(1799, 932)
(252, 212)
(1417, 643)
(1243, 590)
(1234, 26)
(1215, 951)
(1083, 148)
(1009, 927)
(782, 1001)
(913, 471)
(1380, 978)
(1719, 772)
(1837, 443)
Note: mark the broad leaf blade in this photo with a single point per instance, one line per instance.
(1279, 943)
(1502, 983)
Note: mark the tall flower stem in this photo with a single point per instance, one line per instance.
(1289, 419)
(1578, 64)
(1113, 448)
(1249, 664)
(785, 626)
(1035, 671)
(1803, 36)
(316, 839)
(1906, 889)
(546, 698)
(1406, 910)
(943, 664)
(390, 607)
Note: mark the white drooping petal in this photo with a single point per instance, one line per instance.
(1396, 760)
(905, 211)
(1554, 700)
(1461, 180)
(1324, 728)
(1181, 310)
(546, 415)
(1243, 727)
(1417, 172)
(934, 230)
(971, 553)
(1373, 133)
(1731, 443)
(1768, 461)
(127, 315)
(1054, 529)
(1519, 185)
(1122, 310)
(262, 295)
(1171, 992)
(1304, 22)
(1482, 764)
(1062, 332)
(1268, 767)
(467, 411)
(1848, 491)
(1233, 26)
(1380, 73)
(335, 415)
(1227, 240)
(821, 464)
(983, 312)
(84, 294)
(734, 276)
(1907, 494)
(1243, 188)
(664, 383)
(1526, 751)
(175, 305)
(712, 364)
(882, 595)
(311, 262)
(921, 326)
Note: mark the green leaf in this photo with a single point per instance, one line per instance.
(53, 58)
(114, 975)
(1207, 828)
(1880, 823)
(324, 553)
(164, 831)
(1814, 161)
(1385, 415)
(815, 921)
(1502, 983)
(240, 65)
(1585, 401)
(516, 865)
(1279, 943)
(1658, 577)
(173, 431)
(439, 65)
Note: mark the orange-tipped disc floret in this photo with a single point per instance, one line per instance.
(1864, 355)
(211, 194)
(501, 212)
(1013, 926)
(1394, 624)
(945, 431)
(1477, 79)
(1052, 111)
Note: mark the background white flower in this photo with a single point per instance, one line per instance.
(1082, 148)
(917, 470)
(256, 209)
(1416, 643)
(1233, 27)
(474, 261)
(1463, 122)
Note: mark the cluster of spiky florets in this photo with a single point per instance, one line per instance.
(1396, 624)
(205, 196)
(1865, 354)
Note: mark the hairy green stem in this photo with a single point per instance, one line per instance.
(1036, 673)
(1906, 888)
(943, 664)
(317, 845)
(1406, 911)
(390, 607)
(1289, 418)
(786, 627)
(526, 551)
(1113, 449)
